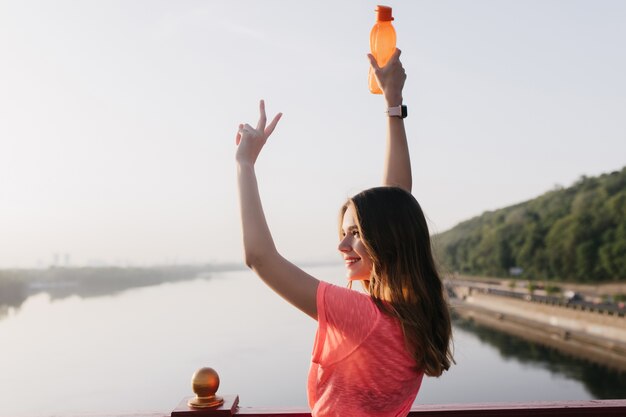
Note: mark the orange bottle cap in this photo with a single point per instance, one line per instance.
(383, 14)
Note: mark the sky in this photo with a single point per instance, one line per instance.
(118, 118)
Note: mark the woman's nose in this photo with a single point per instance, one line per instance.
(344, 244)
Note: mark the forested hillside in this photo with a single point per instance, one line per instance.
(572, 234)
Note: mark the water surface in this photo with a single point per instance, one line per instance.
(136, 351)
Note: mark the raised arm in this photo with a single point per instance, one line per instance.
(391, 79)
(289, 281)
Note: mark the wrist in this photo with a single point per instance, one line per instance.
(244, 165)
(394, 101)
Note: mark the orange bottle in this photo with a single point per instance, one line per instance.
(382, 43)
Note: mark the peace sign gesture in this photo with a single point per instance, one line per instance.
(250, 141)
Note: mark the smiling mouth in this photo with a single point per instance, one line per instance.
(352, 261)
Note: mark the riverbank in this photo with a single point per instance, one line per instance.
(587, 335)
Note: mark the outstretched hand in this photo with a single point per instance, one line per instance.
(250, 141)
(390, 78)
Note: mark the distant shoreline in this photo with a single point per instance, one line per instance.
(16, 285)
(601, 288)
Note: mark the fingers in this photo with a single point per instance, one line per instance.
(373, 62)
(269, 129)
(396, 55)
(394, 58)
(262, 131)
(238, 136)
(242, 130)
(263, 118)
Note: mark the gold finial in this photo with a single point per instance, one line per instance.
(204, 384)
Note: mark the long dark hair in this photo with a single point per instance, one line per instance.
(404, 281)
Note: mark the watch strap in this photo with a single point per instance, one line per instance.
(397, 111)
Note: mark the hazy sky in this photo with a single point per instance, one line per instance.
(118, 118)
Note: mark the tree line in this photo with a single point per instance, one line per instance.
(568, 234)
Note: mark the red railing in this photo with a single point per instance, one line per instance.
(593, 408)
(207, 403)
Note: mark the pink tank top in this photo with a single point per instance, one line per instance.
(360, 365)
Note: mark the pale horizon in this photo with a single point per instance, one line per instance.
(117, 119)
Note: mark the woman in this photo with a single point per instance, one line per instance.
(371, 351)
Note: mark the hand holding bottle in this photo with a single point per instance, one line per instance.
(390, 78)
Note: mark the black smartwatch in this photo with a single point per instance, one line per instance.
(398, 111)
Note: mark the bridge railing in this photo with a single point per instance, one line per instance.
(207, 403)
(600, 408)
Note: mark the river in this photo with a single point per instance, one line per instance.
(135, 350)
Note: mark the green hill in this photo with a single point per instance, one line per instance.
(570, 234)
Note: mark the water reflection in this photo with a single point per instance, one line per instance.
(601, 382)
(12, 294)
(16, 286)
